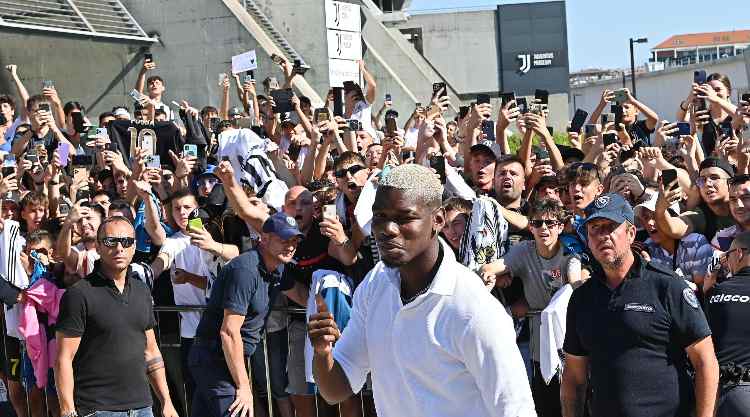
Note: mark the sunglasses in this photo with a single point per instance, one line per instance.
(538, 223)
(351, 170)
(112, 242)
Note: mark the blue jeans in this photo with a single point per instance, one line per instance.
(141, 412)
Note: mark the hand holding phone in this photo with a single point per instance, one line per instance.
(437, 162)
(669, 178)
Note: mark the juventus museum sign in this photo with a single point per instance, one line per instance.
(532, 44)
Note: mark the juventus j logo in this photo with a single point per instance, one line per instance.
(525, 61)
(337, 19)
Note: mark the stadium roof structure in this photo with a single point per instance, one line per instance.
(91, 18)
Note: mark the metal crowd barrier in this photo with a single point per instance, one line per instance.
(169, 338)
(166, 342)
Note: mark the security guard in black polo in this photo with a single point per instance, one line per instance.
(727, 309)
(630, 325)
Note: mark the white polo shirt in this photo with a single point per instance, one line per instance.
(451, 352)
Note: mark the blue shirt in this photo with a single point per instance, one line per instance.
(142, 238)
(244, 286)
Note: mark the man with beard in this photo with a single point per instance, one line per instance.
(629, 329)
(80, 257)
(688, 257)
(711, 215)
(739, 207)
(434, 340)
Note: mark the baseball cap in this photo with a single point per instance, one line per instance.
(234, 111)
(121, 112)
(649, 203)
(286, 120)
(209, 171)
(488, 148)
(611, 206)
(282, 226)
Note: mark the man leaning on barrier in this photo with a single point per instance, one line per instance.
(230, 328)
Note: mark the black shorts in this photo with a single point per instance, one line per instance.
(10, 357)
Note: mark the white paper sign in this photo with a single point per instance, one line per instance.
(344, 45)
(244, 62)
(340, 70)
(343, 16)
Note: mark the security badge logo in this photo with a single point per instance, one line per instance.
(689, 296)
(601, 202)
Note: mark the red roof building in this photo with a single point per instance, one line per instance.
(699, 47)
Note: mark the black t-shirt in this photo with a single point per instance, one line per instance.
(167, 137)
(244, 286)
(727, 308)
(310, 256)
(109, 368)
(634, 337)
(639, 130)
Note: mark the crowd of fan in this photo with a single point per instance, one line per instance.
(197, 185)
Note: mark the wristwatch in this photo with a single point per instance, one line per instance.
(70, 414)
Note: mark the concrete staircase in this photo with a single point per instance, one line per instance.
(289, 52)
(270, 40)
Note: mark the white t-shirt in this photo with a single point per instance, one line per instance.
(192, 259)
(449, 353)
(86, 259)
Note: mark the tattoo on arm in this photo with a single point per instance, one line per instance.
(154, 364)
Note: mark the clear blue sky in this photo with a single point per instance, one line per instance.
(598, 31)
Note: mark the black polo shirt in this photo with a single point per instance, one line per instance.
(109, 368)
(244, 286)
(634, 337)
(728, 308)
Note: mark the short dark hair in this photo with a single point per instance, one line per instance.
(457, 204)
(38, 236)
(208, 109)
(305, 100)
(549, 207)
(36, 198)
(109, 220)
(348, 158)
(72, 105)
(153, 78)
(104, 115)
(121, 205)
(5, 98)
(581, 172)
(181, 193)
(35, 100)
(508, 159)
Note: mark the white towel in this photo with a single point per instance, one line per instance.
(11, 269)
(333, 281)
(552, 333)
